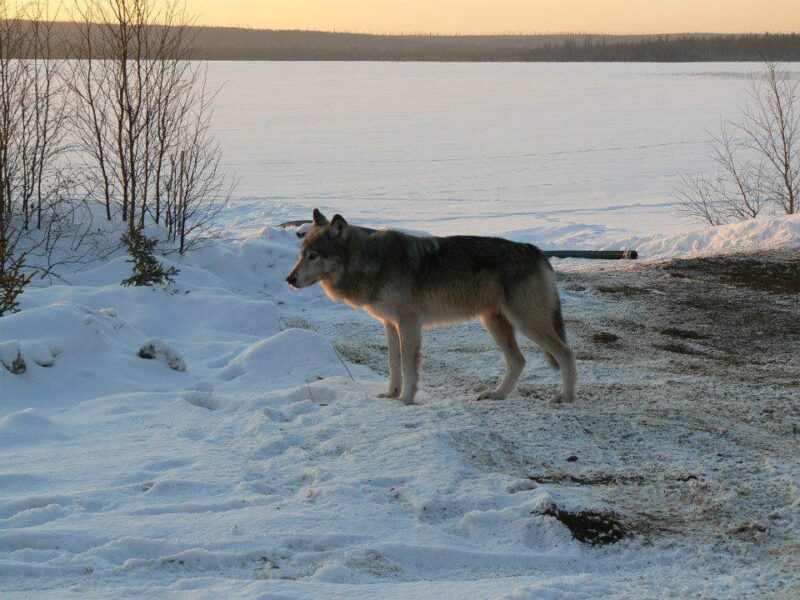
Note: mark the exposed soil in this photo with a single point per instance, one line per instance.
(774, 272)
(589, 527)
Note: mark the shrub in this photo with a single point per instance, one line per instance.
(12, 279)
(758, 157)
(146, 268)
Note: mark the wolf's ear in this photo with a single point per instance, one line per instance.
(338, 226)
(319, 218)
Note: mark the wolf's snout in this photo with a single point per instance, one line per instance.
(291, 280)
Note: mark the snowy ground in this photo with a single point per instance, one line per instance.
(268, 468)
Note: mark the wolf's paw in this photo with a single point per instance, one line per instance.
(407, 400)
(392, 392)
(492, 395)
(562, 398)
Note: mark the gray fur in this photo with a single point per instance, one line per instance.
(411, 282)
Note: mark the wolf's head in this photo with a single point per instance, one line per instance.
(323, 255)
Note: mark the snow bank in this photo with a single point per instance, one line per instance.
(26, 427)
(71, 352)
(259, 455)
(763, 233)
(292, 357)
(756, 234)
(759, 234)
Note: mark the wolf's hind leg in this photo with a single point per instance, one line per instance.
(549, 341)
(503, 333)
(410, 329)
(395, 376)
(558, 349)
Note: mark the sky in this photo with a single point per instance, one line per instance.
(504, 16)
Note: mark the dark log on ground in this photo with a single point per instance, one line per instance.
(597, 254)
(590, 254)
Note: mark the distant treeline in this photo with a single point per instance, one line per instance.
(771, 47)
(226, 43)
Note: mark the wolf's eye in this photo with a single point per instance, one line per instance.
(312, 256)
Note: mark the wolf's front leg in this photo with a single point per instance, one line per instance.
(395, 376)
(410, 329)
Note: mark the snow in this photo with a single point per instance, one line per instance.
(19, 427)
(265, 464)
(585, 153)
(251, 457)
(764, 233)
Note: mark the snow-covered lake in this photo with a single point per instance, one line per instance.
(555, 153)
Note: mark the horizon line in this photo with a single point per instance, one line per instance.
(464, 35)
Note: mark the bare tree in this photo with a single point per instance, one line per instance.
(34, 205)
(740, 182)
(758, 157)
(194, 191)
(698, 199)
(771, 127)
(143, 114)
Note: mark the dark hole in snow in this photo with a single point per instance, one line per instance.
(588, 526)
(604, 337)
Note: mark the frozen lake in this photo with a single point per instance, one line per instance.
(552, 152)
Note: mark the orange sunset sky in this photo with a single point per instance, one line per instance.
(504, 16)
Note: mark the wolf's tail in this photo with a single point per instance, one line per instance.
(558, 325)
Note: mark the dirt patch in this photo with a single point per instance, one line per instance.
(676, 348)
(605, 337)
(773, 272)
(563, 479)
(684, 334)
(688, 425)
(622, 290)
(371, 355)
(588, 526)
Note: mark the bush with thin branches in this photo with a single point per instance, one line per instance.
(36, 206)
(757, 157)
(143, 109)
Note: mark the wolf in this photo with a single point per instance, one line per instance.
(410, 283)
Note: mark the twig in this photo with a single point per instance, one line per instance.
(344, 364)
